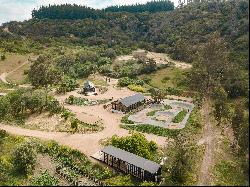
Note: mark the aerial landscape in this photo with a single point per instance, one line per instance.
(124, 93)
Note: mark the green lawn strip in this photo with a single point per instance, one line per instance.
(152, 113)
(151, 129)
(180, 116)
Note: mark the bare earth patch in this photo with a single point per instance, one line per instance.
(160, 58)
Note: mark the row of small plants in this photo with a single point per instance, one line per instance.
(180, 116)
(79, 126)
(72, 100)
(76, 161)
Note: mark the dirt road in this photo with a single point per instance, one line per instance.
(209, 139)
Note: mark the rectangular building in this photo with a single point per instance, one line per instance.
(129, 103)
(131, 164)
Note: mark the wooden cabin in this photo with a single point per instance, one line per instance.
(130, 163)
(129, 103)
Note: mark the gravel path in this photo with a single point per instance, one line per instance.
(210, 135)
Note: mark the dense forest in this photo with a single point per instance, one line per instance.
(73, 12)
(178, 32)
(153, 6)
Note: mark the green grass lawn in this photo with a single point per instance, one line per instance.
(167, 77)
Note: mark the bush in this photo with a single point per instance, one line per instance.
(2, 57)
(45, 179)
(68, 84)
(24, 157)
(126, 120)
(53, 106)
(136, 88)
(125, 81)
(137, 144)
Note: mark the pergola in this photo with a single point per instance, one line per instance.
(132, 164)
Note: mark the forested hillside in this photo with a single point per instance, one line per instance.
(195, 53)
(178, 32)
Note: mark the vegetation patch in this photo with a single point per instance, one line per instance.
(137, 144)
(44, 179)
(152, 113)
(136, 88)
(151, 129)
(72, 100)
(180, 116)
(167, 107)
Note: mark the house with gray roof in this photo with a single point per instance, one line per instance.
(130, 163)
(128, 103)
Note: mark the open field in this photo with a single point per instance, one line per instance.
(11, 62)
(167, 77)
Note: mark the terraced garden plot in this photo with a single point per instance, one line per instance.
(169, 114)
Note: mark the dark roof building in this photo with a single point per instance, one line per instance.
(128, 103)
(131, 100)
(132, 164)
(88, 87)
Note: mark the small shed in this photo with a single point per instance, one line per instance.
(131, 164)
(128, 103)
(88, 87)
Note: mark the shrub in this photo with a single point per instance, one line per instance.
(137, 144)
(24, 157)
(53, 106)
(136, 88)
(74, 124)
(66, 114)
(125, 81)
(126, 120)
(68, 84)
(45, 179)
(167, 107)
(2, 57)
(180, 116)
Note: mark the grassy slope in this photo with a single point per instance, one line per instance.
(167, 77)
(11, 62)
(9, 177)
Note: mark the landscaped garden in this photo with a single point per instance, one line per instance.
(170, 114)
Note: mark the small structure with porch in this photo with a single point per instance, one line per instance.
(129, 103)
(131, 164)
(88, 87)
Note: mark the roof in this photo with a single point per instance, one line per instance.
(131, 158)
(88, 84)
(128, 101)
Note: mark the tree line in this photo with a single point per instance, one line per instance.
(73, 12)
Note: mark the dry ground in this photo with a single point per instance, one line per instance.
(160, 58)
(88, 143)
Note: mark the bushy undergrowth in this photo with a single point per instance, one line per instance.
(17, 105)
